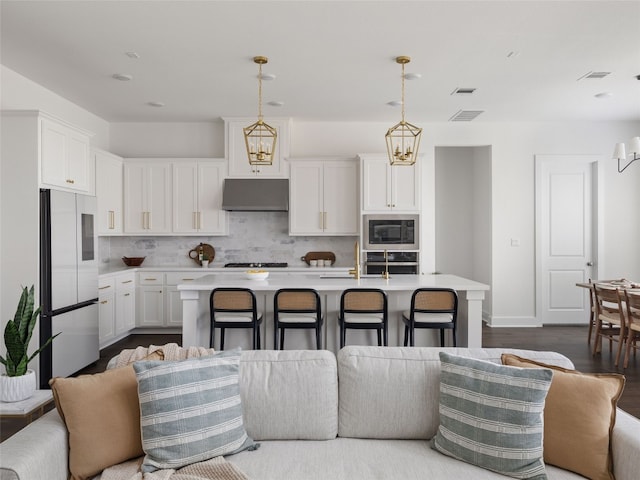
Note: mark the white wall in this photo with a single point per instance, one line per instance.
(513, 146)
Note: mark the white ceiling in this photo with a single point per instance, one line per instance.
(333, 60)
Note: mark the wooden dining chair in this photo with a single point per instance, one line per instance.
(610, 322)
(234, 308)
(296, 308)
(632, 301)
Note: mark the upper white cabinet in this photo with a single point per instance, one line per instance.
(108, 192)
(197, 197)
(66, 162)
(147, 196)
(236, 150)
(389, 188)
(323, 197)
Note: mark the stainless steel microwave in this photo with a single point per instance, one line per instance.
(393, 232)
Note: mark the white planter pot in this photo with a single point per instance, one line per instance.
(14, 389)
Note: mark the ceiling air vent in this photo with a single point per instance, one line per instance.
(463, 91)
(465, 115)
(596, 75)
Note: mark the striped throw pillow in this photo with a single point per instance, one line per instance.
(491, 415)
(190, 410)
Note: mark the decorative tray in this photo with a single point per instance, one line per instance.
(319, 256)
(207, 250)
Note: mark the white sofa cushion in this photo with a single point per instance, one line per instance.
(362, 459)
(289, 394)
(393, 392)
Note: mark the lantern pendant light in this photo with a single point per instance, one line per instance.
(260, 138)
(403, 139)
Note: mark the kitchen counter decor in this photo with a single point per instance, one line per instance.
(133, 261)
(202, 253)
(328, 257)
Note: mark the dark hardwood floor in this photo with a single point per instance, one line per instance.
(570, 341)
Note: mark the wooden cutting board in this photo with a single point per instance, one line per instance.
(319, 256)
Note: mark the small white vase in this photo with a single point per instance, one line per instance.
(15, 389)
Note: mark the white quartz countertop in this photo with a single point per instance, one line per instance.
(332, 281)
(115, 269)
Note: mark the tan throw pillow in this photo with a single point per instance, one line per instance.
(579, 415)
(102, 415)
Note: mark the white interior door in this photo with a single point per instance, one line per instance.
(564, 230)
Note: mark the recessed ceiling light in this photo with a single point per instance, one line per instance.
(268, 76)
(156, 104)
(276, 103)
(604, 95)
(123, 77)
(394, 103)
(412, 76)
(132, 55)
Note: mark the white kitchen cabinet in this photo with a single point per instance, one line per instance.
(106, 311)
(173, 303)
(109, 182)
(236, 150)
(125, 320)
(197, 197)
(147, 196)
(323, 197)
(66, 162)
(389, 188)
(150, 299)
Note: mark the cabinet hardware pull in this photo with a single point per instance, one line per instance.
(106, 286)
(127, 281)
(127, 294)
(150, 278)
(112, 220)
(148, 220)
(70, 181)
(199, 220)
(324, 221)
(187, 279)
(104, 301)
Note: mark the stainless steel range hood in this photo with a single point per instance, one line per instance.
(256, 194)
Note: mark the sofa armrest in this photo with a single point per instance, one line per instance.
(626, 446)
(37, 452)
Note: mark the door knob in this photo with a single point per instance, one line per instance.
(589, 264)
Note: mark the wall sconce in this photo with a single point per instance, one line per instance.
(619, 153)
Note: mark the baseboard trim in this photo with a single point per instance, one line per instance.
(513, 322)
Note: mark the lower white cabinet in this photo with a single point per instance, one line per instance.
(116, 307)
(159, 303)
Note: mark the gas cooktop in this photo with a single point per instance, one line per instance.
(257, 264)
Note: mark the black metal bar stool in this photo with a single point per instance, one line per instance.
(234, 308)
(435, 308)
(364, 308)
(296, 308)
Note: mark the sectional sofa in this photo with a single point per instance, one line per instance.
(367, 413)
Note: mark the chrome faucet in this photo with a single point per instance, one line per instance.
(385, 274)
(356, 271)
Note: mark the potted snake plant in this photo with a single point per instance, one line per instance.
(19, 382)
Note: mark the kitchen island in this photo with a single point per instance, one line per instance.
(195, 305)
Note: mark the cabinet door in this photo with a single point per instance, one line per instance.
(79, 162)
(173, 307)
(340, 198)
(150, 302)
(211, 218)
(237, 151)
(376, 185)
(125, 310)
(159, 197)
(135, 204)
(185, 197)
(108, 193)
(405, 188)
(54, 155)
(106, 317)
(306, 210)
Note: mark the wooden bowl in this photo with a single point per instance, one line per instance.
(133, 261)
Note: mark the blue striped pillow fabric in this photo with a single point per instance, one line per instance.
(190, 410)
(491, 415)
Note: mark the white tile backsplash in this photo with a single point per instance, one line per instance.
(253, 237)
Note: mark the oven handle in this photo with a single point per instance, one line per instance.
(401, 264)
